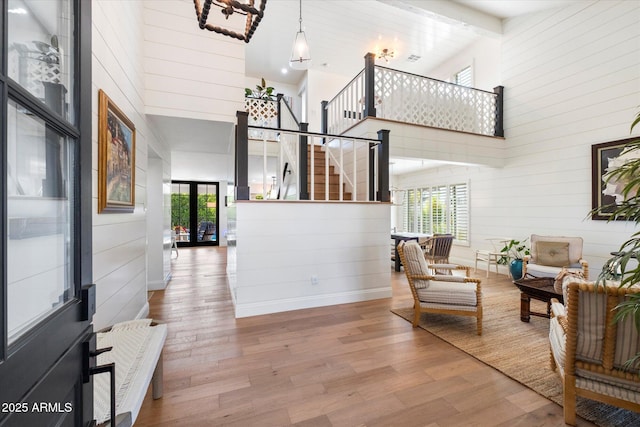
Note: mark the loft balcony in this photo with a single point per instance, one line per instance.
(393, 95)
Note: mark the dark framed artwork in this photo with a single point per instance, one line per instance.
(603, 157)
(116, 158)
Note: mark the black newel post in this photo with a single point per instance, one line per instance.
(372, 169)
(242, 156)
(324, 118)
(369, 85)
(499, 128)
(304, 163)
(383, 166)
(279, 105)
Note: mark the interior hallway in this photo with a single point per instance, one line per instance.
(348, 365)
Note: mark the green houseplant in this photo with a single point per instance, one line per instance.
(623, 265)
(514, 252)
(262, 91)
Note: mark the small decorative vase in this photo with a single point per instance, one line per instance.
(515, 268)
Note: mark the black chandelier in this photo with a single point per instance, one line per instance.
(228, 8)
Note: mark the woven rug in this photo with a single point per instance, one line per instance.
(518, 349)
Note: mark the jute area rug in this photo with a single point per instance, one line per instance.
(518, 349)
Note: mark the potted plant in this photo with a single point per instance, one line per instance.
(262, 91)
(624, 265)
(514, 252)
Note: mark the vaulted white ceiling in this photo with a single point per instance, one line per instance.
(341, 32)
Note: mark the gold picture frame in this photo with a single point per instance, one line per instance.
(116, 158)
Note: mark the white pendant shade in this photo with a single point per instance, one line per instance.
(300, 57)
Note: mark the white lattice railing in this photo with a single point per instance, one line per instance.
(420, 100)
(262, 112)
(414, 99)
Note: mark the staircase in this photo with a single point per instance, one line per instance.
(319, 177)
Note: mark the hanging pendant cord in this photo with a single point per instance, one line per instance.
(300, 20)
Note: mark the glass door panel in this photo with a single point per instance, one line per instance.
(181, 211)
(194, 212)
(39, 220)
(207, 212)
(40, 54)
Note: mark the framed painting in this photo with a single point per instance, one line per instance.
(604, 158)
(116, 158)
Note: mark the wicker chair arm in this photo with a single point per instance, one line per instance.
(421, 277)
(447, 278)
(559, 311)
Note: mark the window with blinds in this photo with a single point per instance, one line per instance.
(463, 77)
(438, 209)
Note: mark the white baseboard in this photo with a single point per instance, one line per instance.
(144, 311)
(156, 285)
(268, 307)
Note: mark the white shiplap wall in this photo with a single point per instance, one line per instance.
(572, 79)
(280, 246)
(190, 72)
(119, 240)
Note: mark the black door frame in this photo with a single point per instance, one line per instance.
(45, 365)
(193, 213)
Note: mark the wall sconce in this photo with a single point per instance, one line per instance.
(228, 8)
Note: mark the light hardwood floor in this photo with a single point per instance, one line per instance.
(347, 365)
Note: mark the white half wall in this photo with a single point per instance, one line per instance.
(295, 255)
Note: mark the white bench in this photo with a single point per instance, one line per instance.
(137, 354)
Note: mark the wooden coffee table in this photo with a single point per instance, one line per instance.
(541, 289)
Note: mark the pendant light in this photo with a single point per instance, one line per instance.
(300, 57)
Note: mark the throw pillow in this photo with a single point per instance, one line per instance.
(554, 254)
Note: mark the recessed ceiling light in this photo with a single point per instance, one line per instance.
(18, 11)
(284, 71)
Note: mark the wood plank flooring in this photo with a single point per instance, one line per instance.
(347, 365)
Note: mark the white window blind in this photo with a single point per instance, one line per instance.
(438, 209)
(459, 211)
(463, 77)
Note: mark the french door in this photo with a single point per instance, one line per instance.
(47, 302)
(194, 212)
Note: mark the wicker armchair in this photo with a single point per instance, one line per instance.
(446, 294)
(589, 350)
(549, 254)
(437, 248)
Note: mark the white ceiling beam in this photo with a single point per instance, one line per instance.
(453, 13)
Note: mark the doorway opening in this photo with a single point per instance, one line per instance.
(194, 212)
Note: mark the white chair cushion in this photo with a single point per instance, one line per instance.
(538, 270)
(557, 340)
(449, 293)
(416, 264)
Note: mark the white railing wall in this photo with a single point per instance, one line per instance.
(347, 107)
(410, 98)
(349, 157)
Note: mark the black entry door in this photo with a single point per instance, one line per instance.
(194, 212)
(46, 303)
